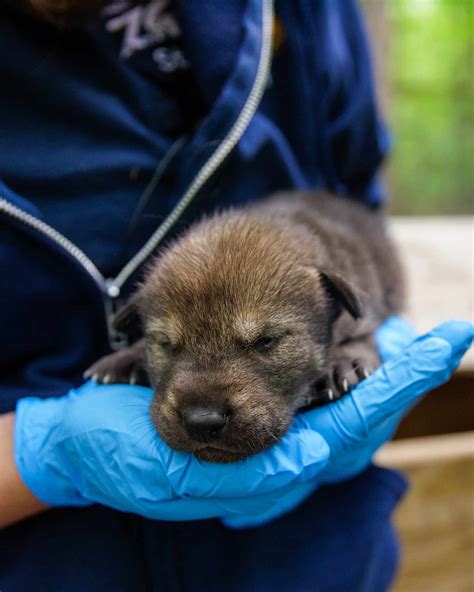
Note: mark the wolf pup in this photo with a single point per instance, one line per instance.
(254, 314)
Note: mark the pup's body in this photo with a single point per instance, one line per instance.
(256, 313)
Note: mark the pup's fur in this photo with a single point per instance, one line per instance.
(257, 312)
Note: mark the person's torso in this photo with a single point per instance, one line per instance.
(89, 116)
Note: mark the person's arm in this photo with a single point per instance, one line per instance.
(16, 500)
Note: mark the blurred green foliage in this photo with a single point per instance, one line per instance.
(431, 105)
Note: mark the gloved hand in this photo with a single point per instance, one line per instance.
(97, 444)
(358, 424)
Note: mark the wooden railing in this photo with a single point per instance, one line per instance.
(434, 445)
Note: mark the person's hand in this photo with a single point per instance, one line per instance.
(97, 444)
(358, 424)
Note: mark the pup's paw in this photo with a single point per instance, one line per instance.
(122, 367)
(344, 373)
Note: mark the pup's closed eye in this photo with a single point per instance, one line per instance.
(168, 345)
(264, 344)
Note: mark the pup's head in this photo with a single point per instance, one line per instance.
(238, 328)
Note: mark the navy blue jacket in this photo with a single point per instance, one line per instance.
(200, 95)
(82, 132)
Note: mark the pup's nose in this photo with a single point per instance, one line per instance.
(204, 424)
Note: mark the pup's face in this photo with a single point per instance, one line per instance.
(237, 332)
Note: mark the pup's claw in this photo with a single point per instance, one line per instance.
(362, 370)
(123, 367)
(343, 377)
(89, 374)
(344, 374)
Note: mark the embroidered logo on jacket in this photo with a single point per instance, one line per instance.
(146, 26)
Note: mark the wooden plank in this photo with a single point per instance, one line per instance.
(447, 409)
(436, 526)
(412, 452)
(437, 254)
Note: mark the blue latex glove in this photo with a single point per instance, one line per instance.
(97, 444)
(357, 425)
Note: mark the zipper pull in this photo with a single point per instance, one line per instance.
(117, 339)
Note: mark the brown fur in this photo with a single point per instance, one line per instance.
(314, 272)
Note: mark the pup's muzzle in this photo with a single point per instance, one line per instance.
(204, 424)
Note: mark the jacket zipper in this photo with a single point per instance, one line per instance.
(111, 287)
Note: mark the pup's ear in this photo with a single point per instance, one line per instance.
(127, 320)
(343, 295)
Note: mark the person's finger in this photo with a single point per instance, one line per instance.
(393, 336)
(426, 364)
(243, 511)
(459, 334)
(394, 388)
(358, 457)
(292, 498)
(300, 455)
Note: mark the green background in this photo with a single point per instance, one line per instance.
(425, 78)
